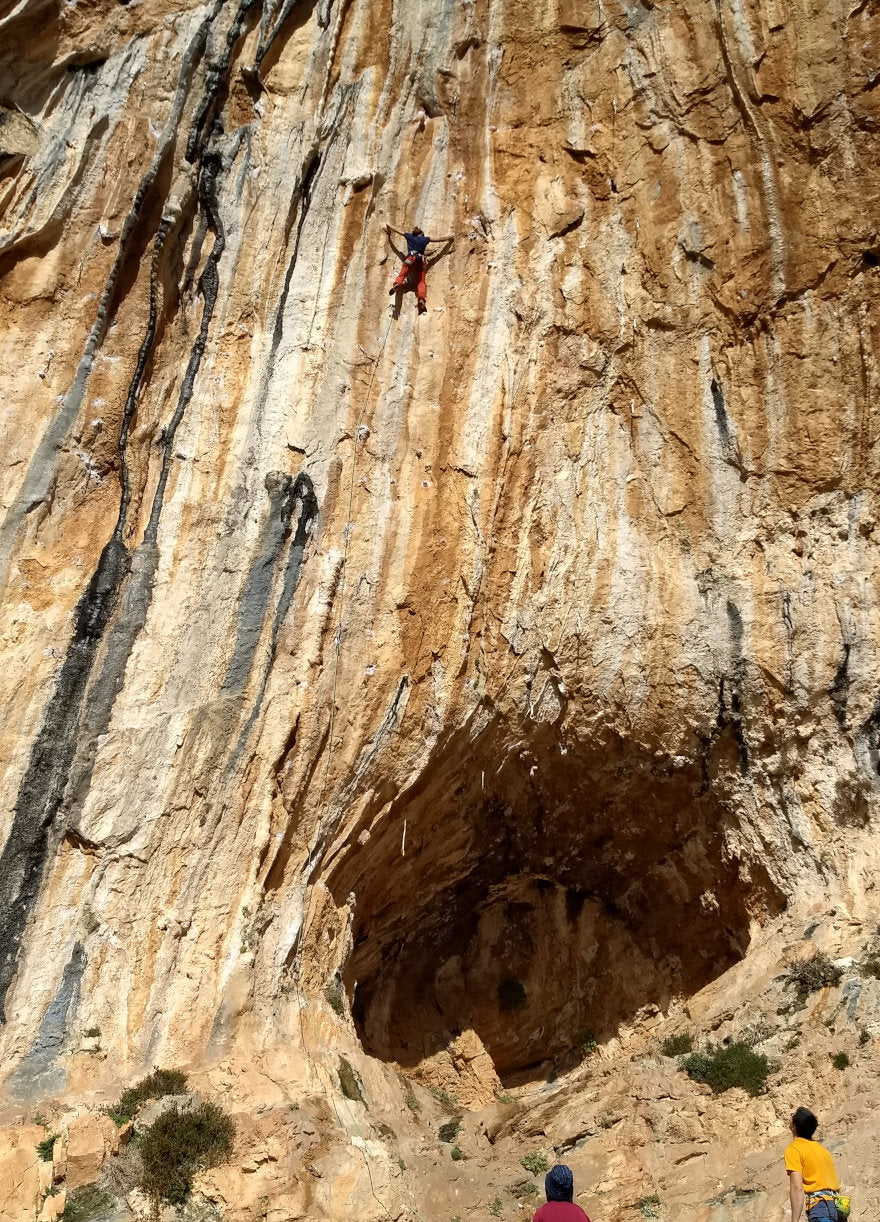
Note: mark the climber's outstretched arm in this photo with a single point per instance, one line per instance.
(450, 238)
(389, 229)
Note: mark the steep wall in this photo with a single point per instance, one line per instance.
(343, 640)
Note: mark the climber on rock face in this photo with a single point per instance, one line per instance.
(559, 1187)
(415, 263)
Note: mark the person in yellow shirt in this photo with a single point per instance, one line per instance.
(812, 1177)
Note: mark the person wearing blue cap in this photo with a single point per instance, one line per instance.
(559, 1188)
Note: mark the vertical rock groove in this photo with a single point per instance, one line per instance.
(42, 789)
(134, 387)
(36, 483)
(209, 283)
(767, 169)
(284, 494)
(48, 774)
(300, 491)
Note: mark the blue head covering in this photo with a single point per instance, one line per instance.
(559, 1183)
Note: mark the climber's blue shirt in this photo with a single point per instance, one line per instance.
(416, 243)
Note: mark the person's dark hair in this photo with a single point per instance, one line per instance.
(420, 232)
(805, 1123)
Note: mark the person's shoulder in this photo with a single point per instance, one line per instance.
(794, 1153)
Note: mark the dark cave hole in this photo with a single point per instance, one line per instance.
(512, 995)
(543, 894)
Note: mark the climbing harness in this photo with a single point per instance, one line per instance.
(414, 269)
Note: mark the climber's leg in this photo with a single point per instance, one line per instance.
(422, 288)
(400, 282)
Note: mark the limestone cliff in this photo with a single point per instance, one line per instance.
(356, 654)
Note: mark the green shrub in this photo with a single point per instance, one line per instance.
(156, 1085)
(348, 1082)
(449, 1131)
(730, 1065)
(606, 1120)
(734, 1196)
(401, 1164)
(504, 1096)
(870, 965)
(535, 1163)
(809, 975)
(648, 1206)
(412, 1103)
(46, 1146)
(443, 1096)
(495, 1208)
(512, 995)
(525, 1189)
(755, 1033)
(840, 1060)
(719, 1198)
(585, 1045)
(456, 1153)
(84, 1204)
(178, 1145)
(864, 1037)
(677, 1045)
(333, 997)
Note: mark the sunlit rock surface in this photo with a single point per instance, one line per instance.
(497, 672)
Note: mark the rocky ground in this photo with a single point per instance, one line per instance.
(338, 1137)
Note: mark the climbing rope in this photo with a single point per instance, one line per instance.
(515, 385)
(342, 575)
(410, 1208)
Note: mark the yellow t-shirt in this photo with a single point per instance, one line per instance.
(814, 1163)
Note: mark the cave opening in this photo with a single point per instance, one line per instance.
(540, 895)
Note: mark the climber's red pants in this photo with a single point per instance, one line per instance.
(413, 265)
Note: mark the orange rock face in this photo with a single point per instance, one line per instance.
(492, 674)
(90, 1141)
(20, 1173)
